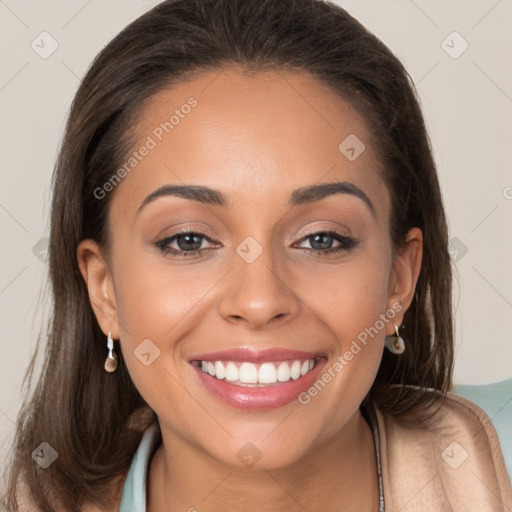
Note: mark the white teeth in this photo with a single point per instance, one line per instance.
(247, 373)
(267, 374)
(283, 372)
(295, 370)
(220, 371)
(231, 372)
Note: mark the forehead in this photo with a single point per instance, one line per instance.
(252, 136)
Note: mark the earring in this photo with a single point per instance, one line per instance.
(111, 361)
(395, 344)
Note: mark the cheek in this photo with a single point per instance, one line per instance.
(351, 302)
(154, 298)
(158, 304)
(349, 297)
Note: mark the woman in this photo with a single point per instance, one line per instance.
(251, 281)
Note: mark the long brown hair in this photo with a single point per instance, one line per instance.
(87, 415)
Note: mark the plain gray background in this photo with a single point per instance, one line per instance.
(466, 95)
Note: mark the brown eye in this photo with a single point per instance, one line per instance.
(186, 243)
(322, 242)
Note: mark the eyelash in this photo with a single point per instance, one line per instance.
(346, 243)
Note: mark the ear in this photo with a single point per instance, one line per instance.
(404, 276)
(100, 285)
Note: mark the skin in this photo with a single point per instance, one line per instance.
(256, 139)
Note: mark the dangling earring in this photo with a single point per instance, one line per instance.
(111, 361)
(395, 344)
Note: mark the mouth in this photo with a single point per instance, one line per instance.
(258, 379)
(248, 374)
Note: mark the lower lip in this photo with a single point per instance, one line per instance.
(260, 398)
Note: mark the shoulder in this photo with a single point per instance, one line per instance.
(456, 416)
(450, 459)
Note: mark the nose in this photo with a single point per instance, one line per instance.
(258, 295)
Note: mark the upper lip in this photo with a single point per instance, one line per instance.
(256, 355)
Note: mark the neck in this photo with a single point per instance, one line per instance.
(338, 474)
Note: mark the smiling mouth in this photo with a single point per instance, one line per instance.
(258, 379)
(247, 374)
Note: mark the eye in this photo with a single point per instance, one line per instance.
(190, 243)
(186, 243)
(321, 242)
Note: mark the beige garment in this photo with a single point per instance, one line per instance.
(453, 464)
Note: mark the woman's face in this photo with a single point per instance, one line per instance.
(284, 287)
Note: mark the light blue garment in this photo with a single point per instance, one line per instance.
(496, 400)
(134, 491)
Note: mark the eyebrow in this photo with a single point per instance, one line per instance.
(304, 195)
